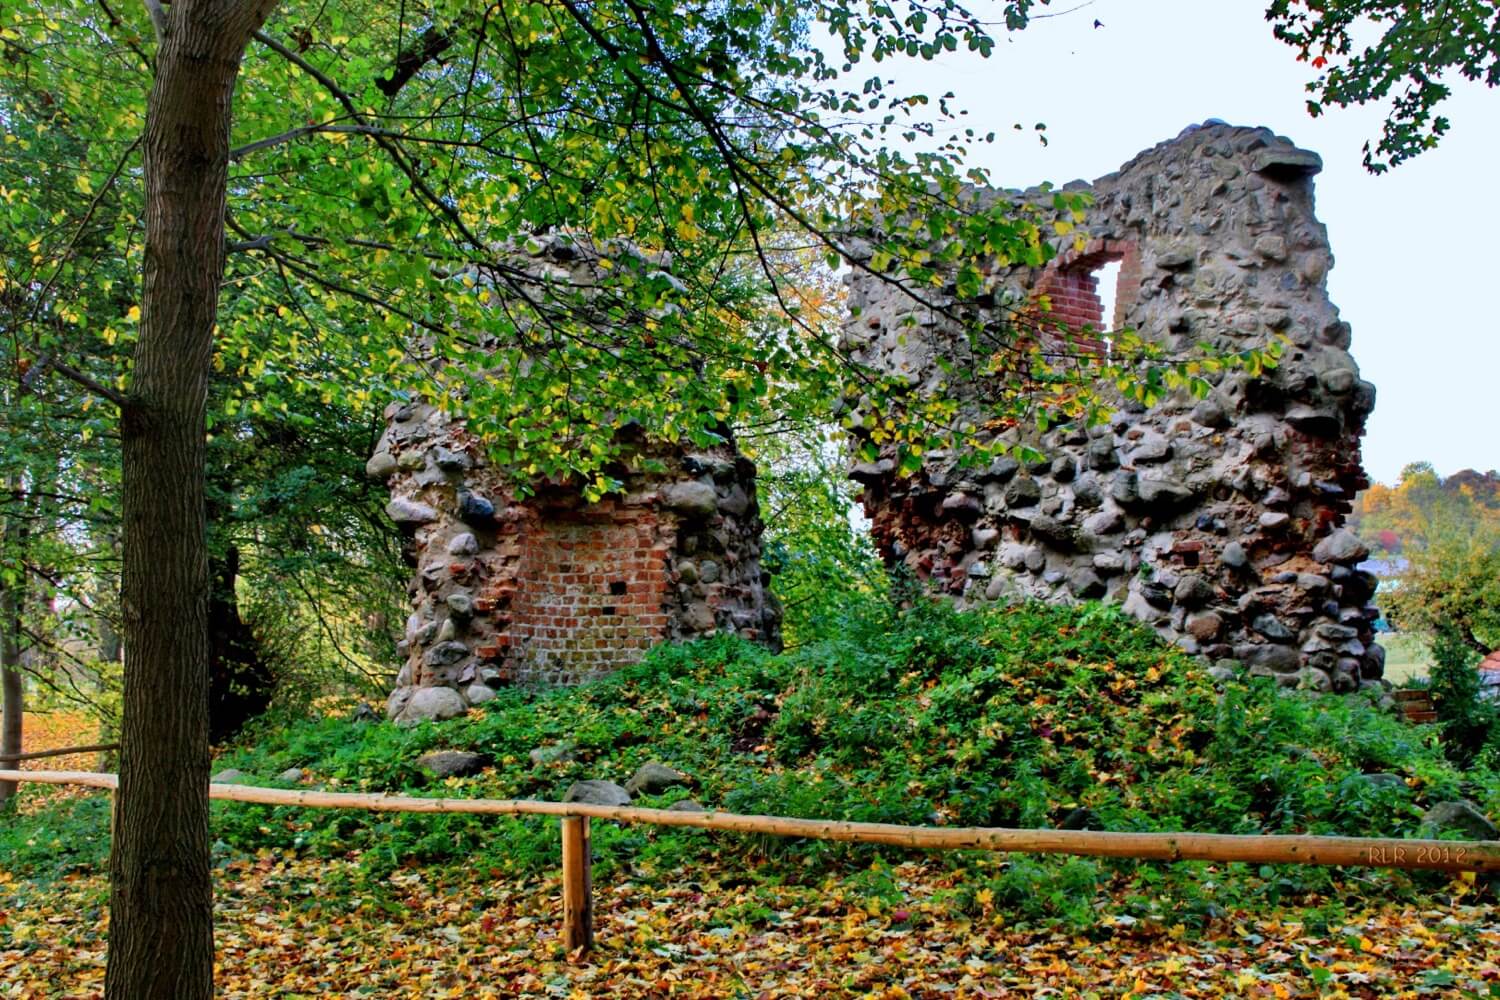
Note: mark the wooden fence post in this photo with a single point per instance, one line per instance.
(578, 885)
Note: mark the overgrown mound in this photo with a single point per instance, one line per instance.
(1034, 716)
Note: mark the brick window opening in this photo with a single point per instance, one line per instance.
(1074, 295)
(617, 588)
(608, 610)
(1093, 291)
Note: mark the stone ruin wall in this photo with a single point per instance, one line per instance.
(547, 587)
(1216, 520)
(550, 588)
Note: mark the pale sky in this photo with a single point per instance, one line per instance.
(1417, 271)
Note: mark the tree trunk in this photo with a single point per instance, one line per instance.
(11, 692)
(12, 601)
(107, 605)
(240, 683)
(161, 899)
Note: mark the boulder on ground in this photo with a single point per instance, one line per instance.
(1462, 817)
(556, 753)
(432, 704)
(451, 763)
(594, 792)
(478, 693)
(655, 778)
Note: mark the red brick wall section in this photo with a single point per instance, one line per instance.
(1074, 295)
(589, 594)
(1070, 285)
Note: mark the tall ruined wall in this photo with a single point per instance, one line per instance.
(548, 587)
(1217, 520)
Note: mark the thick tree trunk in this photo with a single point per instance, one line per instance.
(161, 901)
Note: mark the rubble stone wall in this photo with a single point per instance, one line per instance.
(1217, 520)
(549, 588)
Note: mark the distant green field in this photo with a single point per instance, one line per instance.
(1406, 657)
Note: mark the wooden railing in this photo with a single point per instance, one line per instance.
(577, 860)
(13, 758)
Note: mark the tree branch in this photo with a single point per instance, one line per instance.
(431, 44)
(73, 374)
(158, 18)
(83, 223)
(436, 203)
(118, 25)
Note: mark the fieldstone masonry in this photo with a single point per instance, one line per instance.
(1216, 520)
(551, 588)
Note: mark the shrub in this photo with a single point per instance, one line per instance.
(1467, 721)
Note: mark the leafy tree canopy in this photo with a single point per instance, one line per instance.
(1418, 43)
(393, 167)
(1422, 505)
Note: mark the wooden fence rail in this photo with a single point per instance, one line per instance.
(11, 758)
(1366, 852)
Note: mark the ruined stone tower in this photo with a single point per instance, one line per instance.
(1216, 520)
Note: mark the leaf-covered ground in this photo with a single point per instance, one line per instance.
(55, 731)
(285, 929)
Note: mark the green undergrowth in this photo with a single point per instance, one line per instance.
(1028, 717)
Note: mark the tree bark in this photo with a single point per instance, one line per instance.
(12, 706)
(106, 604)
(11, 691)
(240, 682)
(161, 899)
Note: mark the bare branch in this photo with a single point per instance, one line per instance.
(73, 374)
